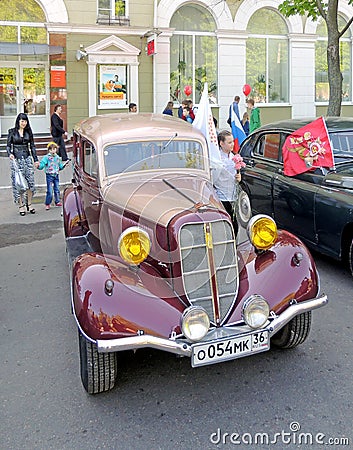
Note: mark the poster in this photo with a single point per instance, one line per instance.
(58, 77)
(112, 87)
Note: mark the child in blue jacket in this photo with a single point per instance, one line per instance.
(52, 164)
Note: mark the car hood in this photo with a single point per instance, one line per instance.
(159, 198)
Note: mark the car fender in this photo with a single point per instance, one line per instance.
(263, 273)
(73, 215)
(139, 299)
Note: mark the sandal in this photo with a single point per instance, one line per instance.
(22, 210)
(31, 210)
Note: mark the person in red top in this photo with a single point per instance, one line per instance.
(187, 103)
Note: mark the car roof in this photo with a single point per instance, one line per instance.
(108, 128)
(334, 124)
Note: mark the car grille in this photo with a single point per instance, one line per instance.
(209, 266)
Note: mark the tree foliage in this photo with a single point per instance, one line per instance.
(328, 10)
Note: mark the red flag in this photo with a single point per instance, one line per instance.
(307, 148)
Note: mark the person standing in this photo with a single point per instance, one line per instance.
(235, 106)
(187, 103)
(245, 123)
(21, 150)
(57, 131)
(226, 176)
(52, 165)
(255, 120)
(168, 110)
(133, 107)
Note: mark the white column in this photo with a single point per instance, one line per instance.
(161, 74)
(231, 72)
(302, 60)
(92, 89)
(134, 83)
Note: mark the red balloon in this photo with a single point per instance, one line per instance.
(188, 90)
(246, 89)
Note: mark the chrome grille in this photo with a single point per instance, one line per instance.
(200, 251)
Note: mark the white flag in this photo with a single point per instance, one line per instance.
(204, 122)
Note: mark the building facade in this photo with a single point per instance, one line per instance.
(97, 56)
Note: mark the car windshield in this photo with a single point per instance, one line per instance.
(151, 155)
(342, 144)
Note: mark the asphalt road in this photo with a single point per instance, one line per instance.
(297, 398)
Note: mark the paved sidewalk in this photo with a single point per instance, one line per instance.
(9, 211)
(5, 181)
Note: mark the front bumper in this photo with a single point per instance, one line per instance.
(182, 348)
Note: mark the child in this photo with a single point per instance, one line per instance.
(187, 115)
(52, 164)
(245, 123)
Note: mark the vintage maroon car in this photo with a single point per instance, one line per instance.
(155, 260)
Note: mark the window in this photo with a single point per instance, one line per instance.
(90, 159)
(267, 68)
(112, 9)
(268, 146)
(342, 142)
(153, 155)
(15, 35)
(193, 54)
(322, 91)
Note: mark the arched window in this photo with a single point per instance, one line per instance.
(267, 68)
(16, 37)
(193, 53)
(24, 58)
(322, 93)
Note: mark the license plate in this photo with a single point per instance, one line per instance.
(229, 348)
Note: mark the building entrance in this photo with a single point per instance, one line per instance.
(24, 87)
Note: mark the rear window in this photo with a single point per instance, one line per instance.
(152, 155)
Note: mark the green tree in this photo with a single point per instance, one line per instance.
(328, 10)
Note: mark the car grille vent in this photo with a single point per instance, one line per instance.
(208, 252)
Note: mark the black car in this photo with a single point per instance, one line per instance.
(316, 205)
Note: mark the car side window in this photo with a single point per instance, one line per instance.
(271, 146)
(90, 164)
(76, 147)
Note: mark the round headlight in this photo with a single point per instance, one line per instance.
(255, 311)
(262, 231)
(195, 323)
(134, 245)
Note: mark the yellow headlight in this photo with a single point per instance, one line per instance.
(134, 245)
(262, 232)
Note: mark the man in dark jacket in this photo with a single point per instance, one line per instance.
(57, 131)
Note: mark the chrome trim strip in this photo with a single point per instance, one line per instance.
(134, 342)
(294, 310)
(184, 349)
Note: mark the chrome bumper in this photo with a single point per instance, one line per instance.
(182, 348)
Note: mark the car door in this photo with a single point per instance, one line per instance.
(294, 200)
(262, 165)
(90, 192)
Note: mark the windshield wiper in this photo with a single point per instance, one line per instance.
(167, 144)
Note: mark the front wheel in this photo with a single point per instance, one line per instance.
(98, 370)
(243, 211)
(294, 333)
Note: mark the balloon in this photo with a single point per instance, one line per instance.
(188, 90)
(246, 89)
